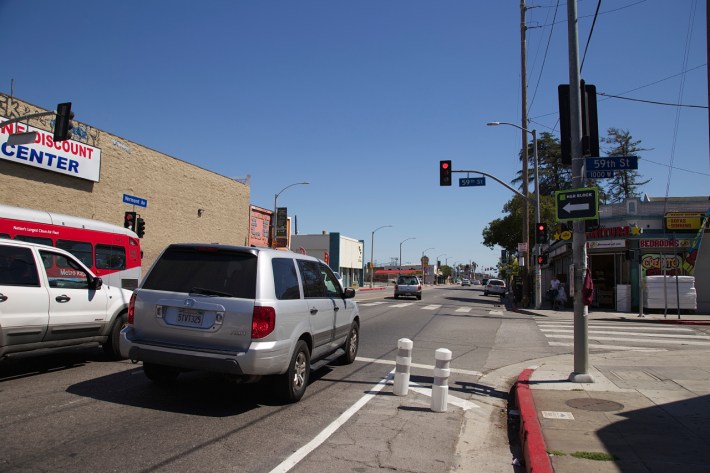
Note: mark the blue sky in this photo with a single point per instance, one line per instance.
(363, 98)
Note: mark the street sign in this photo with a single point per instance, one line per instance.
(599, 174)
(611, 163)
(129, 199)
(577, 204)
(472, 181)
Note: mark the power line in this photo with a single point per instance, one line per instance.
(651, 101)
(589, 38)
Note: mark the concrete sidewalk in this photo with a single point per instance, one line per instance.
(644, 412)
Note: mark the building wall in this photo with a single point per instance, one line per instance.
(175, 190)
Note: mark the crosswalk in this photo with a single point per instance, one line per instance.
(428, 307)
(624, 336)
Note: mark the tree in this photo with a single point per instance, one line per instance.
(553, 175)
(625, 183)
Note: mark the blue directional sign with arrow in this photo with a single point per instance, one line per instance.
(577, 204)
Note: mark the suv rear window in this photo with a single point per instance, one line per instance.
(408, 281)
(202, 269)
(495, 282)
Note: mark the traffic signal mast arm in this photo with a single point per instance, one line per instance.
(27, 117)
(502, 183)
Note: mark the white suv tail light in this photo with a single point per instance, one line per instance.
(263, 321)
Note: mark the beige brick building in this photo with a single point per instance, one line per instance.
(185, 203)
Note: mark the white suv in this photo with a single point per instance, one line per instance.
(240, 311)
(494, 286)
(49, 299)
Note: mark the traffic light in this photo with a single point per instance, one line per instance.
(63, 123)
(129, 221)
(542, 259)
(444, 173)
(541, 236)
(140, 227)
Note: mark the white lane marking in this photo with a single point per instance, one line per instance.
(463, 309)
(496, 312)
(372, 303)
(431, 307)
(456, 401)
(645, 340)
(592, 331)
(607, 347)
(404, 304)
(301, 453)
(416, 365)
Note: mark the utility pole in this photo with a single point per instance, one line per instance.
(524, 134)
(579, 239)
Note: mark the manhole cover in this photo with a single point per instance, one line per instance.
(591, 404)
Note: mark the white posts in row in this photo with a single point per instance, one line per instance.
(440, 388)
(403, 365)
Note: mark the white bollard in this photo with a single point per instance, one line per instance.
(403, 366)
(440, 389)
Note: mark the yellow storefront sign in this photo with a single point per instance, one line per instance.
(683, 221)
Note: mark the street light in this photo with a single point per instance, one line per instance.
(400, 250)
(372, 252)
(538, 270)
(272, 240)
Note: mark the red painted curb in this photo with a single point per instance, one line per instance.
(533, 443)
(362, 289)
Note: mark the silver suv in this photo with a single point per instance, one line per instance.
(408, 286)
(241, 311)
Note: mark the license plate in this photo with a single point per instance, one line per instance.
(189, 318)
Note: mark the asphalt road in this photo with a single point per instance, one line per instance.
(78, 411)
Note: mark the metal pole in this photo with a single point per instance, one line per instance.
(538, 269)
(579, 240)
(372, 252)
(526, 211)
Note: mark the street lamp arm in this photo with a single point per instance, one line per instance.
(290, 185)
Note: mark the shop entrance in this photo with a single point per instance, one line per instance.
(608, 271)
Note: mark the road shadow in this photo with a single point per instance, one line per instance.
(23, 365)
(665, 437)
(193, 392)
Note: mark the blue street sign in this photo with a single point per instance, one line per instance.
(129, 199)
(611, 163)
(599, 174)
(472, 181)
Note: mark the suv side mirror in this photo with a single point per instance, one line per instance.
(349, 293)
(96, 283)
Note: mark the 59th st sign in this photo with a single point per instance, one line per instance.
(577, 204)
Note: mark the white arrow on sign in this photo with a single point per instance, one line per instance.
(569, 208)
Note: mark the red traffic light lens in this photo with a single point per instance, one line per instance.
(445, 165)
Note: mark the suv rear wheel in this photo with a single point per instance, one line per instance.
(293, 383)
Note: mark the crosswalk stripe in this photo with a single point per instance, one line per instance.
(403, 304)
(463, 309)
(367, 304)
(592, 331)
(607, 347)
(646, 340)
(634, 326)
(431, 307)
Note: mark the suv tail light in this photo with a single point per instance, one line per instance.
(263, 321)
(419, 287)
(132, 308)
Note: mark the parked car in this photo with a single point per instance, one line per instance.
(465, 282)
(409, 286)
(494, 286)
(243, 311)
(50, 299)
(476, 282)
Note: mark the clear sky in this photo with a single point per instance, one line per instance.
(363, 98)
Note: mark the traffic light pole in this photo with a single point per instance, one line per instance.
(579, 243)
